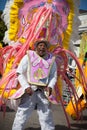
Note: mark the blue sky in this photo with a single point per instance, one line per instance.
(2, 4)
(83, 4)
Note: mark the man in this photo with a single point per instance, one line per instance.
(37, 74)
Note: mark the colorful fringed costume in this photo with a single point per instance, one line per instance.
(30, 20)
(82, 102)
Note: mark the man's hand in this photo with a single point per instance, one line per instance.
(29, 91)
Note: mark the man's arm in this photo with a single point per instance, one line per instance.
(52, 78)
(22, 72)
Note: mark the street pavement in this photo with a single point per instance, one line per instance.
(33, 123)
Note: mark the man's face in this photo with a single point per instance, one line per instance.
(41, 49)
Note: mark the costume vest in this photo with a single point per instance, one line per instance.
(38, 68)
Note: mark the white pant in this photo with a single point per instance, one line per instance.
(26, 107)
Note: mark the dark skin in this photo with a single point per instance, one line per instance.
(41, 50)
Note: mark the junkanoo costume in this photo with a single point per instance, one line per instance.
(37, 73)
(27, 21)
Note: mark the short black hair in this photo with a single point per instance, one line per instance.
(42, 41)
